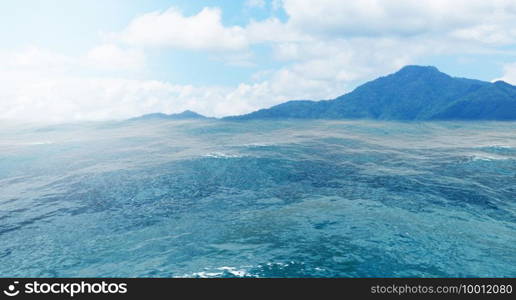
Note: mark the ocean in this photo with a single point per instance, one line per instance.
(293, 198)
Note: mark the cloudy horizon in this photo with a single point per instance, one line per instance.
(72, 61)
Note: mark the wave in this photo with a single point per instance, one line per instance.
(222, 155)
(259, 199)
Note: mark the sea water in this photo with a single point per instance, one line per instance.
(258, 199)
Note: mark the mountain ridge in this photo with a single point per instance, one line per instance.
(412, 93)
(185, 115)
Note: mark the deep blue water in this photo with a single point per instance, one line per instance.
(264, 199)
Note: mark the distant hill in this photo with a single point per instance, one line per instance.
(412, 93)
(185, 115)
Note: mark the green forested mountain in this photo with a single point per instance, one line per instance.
(412, 93)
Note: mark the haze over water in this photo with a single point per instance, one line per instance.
(258, 198)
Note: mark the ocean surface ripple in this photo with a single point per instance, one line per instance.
(258, 199)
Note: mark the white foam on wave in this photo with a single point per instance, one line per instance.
(486, 157)
(203, 275)
(219, 273)
(234, 271)
(222, 155)
(37, 143)
(496, 146)
(257, 145)
(492, 152)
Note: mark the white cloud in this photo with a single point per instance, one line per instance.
(112, 57)
(509, 73)
(447, 25)
(34, 58)
(38, 61)
(469, 19)
(255, 3)
(203, 31)
(276, 4)
(33, 93)
(40, 85)
(72, 99)
(273, 30)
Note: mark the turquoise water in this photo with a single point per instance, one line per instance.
(258, 199)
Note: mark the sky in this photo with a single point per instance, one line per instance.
(63, 60)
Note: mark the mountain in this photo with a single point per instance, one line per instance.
(185, 115)
(412, 93)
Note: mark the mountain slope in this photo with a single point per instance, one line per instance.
(492, 102)
(412, 93)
